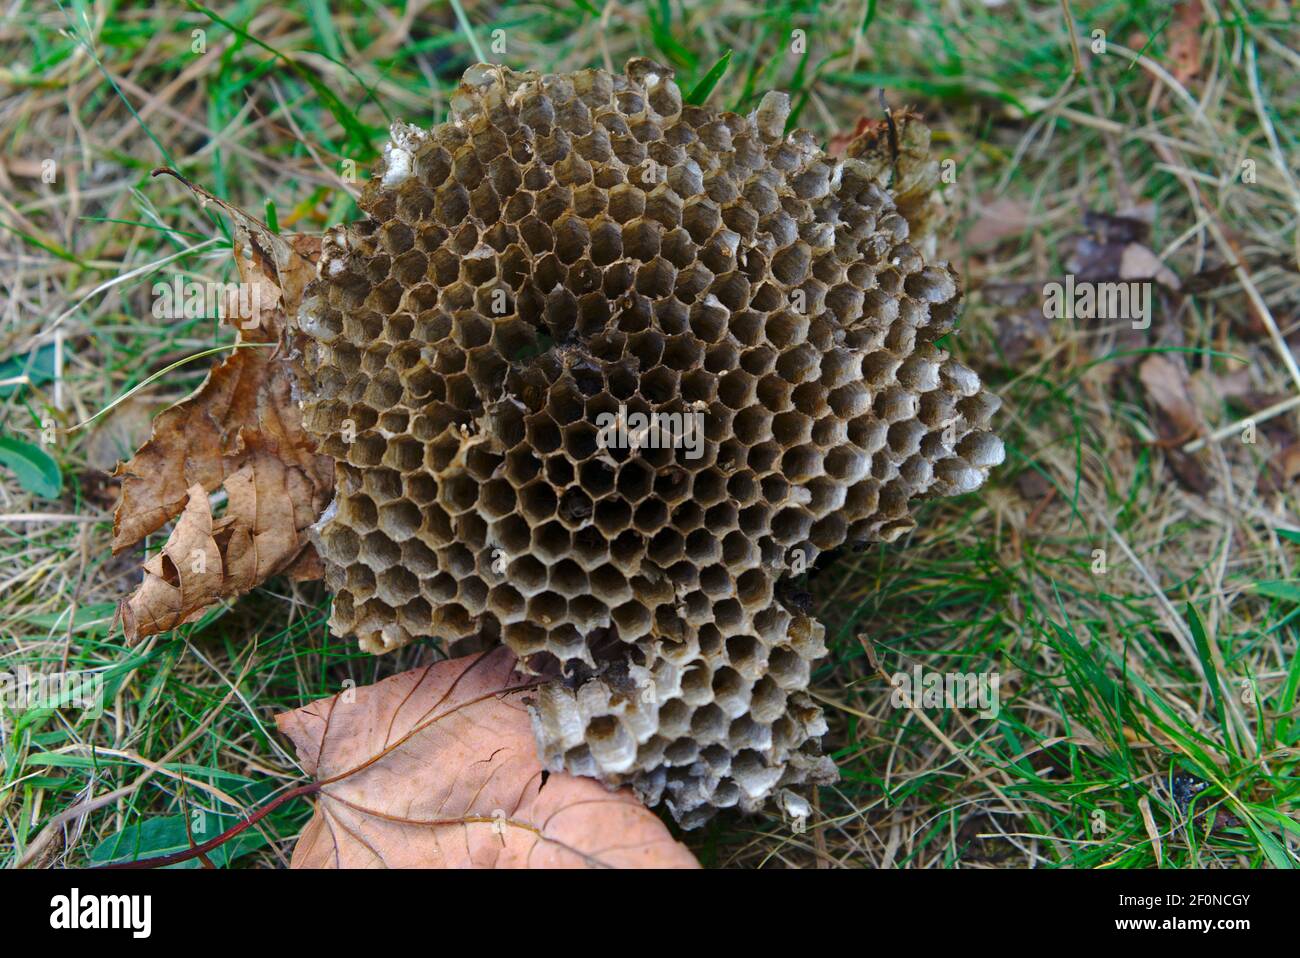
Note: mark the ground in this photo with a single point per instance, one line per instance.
(1126, 576)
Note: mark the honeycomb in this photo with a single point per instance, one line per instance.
(603, 373)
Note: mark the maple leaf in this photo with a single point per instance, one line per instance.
(438, 768)
(241, 430)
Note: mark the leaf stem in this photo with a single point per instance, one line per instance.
(175, 858)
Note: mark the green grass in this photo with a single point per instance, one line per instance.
(1119, 700)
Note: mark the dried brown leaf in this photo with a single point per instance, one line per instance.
(1169, 395)
(1168, 387)
(197, 440)
(241, 428)
(263, 532)
(1115, 248)
(839, 142)
(181, 576)
(998, 220)
(438, 768)
(1283, 470)
(1185, 41)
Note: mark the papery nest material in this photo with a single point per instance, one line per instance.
(570, 248)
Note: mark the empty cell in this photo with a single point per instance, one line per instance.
(458, 493)
(419, 558)
(609, 585)
(559, 470)
(650, 516)
(736, 389)
(396, 585)
(739, 551)
(359, 512)
(524, 638)
(635, 480)
(632, 619)
(547, 608)
(505, 602)
(522, 465)
(709, 723)
(537, 501)
(730, 691)
(399, 520)
(716, 581)
(801, 464)
(513, 533)
(360, 581)
(588, 612)
(568, 579)
(672, 485)
(367, 450)
(581, 440)
(551, 541)
(627, 548)
(626, 203)
(791, 428)
(612, 516)
(709, 487)
(527, 574)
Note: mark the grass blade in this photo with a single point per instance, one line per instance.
(701, 91)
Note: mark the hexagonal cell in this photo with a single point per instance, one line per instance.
(527, 574)
(551, 541)
(359, 512)
(580, 441)
(537, 501)
(635, 480)
(396, 585)
(609, 585)
(632, 620)
(650, 516)
(458, 493)
(575, 509)
(522, 464)
(543, 434)
(505, 603)
(547, 609)
(399, 520)
(342, 544)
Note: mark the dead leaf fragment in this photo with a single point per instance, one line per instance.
(1177, 420)
(1185, 41)
(438, 768)
(1169, 389)
(998, 220)
(263, 532)
(180, 577)
(1115, 248)
(1283, 470)
(241, 429)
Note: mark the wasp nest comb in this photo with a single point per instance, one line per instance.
(600, 369)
